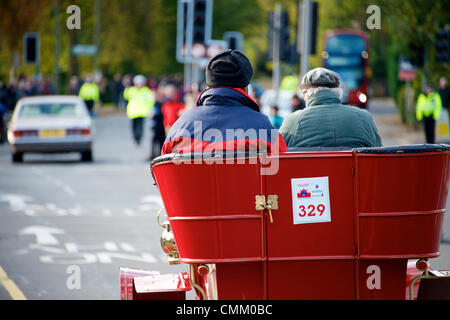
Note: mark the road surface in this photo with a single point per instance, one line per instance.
(61, 217)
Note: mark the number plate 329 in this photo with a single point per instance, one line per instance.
(310, 200)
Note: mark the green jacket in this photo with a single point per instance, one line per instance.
(326, 122)
(89, 92)
(429, 105)
(140, 102)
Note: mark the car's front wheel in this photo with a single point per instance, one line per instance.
(17, 157)
(86, 156)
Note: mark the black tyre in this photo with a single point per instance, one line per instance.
(86, 156)
(17, 157)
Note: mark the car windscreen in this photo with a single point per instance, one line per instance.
(52, 110)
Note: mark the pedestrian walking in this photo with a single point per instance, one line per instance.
(157, 126)
(444, 93)
(172, 108)
(74, 86)
(140, 104)
(117, 89)
(90, 93)
(428, 110)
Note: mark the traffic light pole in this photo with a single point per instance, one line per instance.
(97, 11)
(57, 39)
(276, 50)
(306, 31)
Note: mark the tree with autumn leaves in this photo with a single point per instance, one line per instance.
(140, 36)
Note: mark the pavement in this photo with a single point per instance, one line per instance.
(390, 126)
(67, 226)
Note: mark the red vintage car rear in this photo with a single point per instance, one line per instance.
(308, 224)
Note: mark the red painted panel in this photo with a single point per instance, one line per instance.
(398, 183)
(381, 279)
(325, 240)
(241, 281)
(211, 209)
(411, 236)
(400, 204)
(207, 241)
(311, 279)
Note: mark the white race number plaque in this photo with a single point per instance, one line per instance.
(310, 200)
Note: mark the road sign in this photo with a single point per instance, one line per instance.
(407, 75)
(198, 50)
(84, 50)
(215, 47)
(234, 40)
(406, 71)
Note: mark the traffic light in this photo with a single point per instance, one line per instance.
(270, 31)
(284, 35)
(313, 42)
(199, 26)
(417, 54)
(31, 48)
(443, 45)
(312, 33)
(285, 47)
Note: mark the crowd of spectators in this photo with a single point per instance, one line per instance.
(168, 90)
(23, 86)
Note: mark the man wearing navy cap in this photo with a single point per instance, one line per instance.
(225, 116)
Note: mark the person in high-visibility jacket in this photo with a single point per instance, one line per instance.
(429, 109)
(140, 104)
(289, 83)
(89, 92)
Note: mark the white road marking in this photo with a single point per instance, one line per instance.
(76, 211)
(127, 247)
(106, 257)
(111, 246)
(17, 202)
(152, 199)
(44, 235)
(59, 183)
(50, 206)
(61, 212)
(146, 207)
(71, 247)
(69, 190)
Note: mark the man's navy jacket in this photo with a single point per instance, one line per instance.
(224, 119)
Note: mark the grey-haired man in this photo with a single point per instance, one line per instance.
(326, 122)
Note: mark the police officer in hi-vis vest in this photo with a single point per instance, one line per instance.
(89, 92)
(140, 104)
(428, 109)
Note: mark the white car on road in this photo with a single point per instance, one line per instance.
(51, 124)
